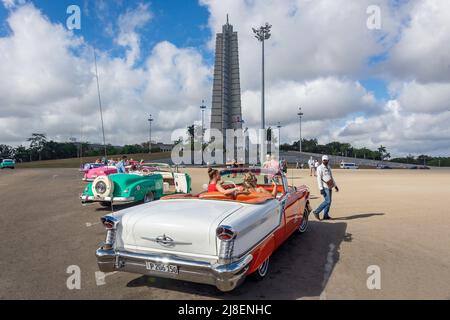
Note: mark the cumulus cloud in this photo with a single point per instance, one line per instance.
(310, 39)
(47, 84)
(318, 51)
(321, 99)
(401, 131)
(129, 23)
(421, 52)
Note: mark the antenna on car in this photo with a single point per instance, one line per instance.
(292, 177)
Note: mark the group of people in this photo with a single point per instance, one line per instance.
(313, 164)
(272, 163)
(322, 172)
(249, 185)
(121, 164)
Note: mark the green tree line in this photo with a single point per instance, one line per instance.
(39, 148)
(347, 150)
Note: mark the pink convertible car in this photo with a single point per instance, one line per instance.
(96, 172)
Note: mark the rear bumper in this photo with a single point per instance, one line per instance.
(86, 199)
(225, 277)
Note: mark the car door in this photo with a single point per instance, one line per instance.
(292, 211)
(182, 182)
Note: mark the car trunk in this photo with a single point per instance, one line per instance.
(184, 226)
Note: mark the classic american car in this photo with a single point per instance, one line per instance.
(7, 163)
(209, 238)
(145, 185)
(88, 166)
(93, 173)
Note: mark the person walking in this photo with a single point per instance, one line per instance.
(311, 166)
(326, 184)
(316, 165)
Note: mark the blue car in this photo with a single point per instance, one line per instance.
(8, 163)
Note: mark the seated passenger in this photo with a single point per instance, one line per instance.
(250, 184)
(215, 183)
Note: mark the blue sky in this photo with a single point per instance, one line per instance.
(181, 22)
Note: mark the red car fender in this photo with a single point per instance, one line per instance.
(261, 253)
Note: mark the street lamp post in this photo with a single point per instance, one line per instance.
(262, 34)
(300, 115)
(279, 132)
(150, 120)
(203, 108)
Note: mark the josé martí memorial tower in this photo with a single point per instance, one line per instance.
(226, 110)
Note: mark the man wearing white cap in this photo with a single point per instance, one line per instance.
(326, 184)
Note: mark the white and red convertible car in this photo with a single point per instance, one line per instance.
(208, 238)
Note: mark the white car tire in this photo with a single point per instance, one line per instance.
(262, 270)
(109, 187)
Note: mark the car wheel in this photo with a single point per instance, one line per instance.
(149, 197)
(305, 222)
(262, 270)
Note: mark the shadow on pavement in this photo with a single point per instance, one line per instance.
(300, 268)
(358, 216)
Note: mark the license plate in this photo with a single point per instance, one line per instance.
(160, 267)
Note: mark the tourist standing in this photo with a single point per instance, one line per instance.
(316, 165)
(311, 166)
(121, 165)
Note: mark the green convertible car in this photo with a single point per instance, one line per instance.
(136, 187)
(8, 163)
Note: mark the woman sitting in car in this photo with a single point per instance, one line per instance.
(250, 185)
(215, 183)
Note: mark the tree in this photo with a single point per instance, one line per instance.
(21, 153)
(37, 143)
(6, 151)
(383, 154)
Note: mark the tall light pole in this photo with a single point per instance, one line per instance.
(150, 120)
(262, 34)
(300, 115)
(203, 108)
(279, 132)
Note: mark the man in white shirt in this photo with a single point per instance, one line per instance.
(326, 184)
(316, 165)
(311, 166)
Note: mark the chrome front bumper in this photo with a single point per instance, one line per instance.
(225, 277)
(85, 199)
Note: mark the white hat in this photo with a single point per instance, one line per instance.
(325, 158)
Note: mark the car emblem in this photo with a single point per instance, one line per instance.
(166, 241)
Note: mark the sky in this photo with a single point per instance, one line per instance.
(360, 77)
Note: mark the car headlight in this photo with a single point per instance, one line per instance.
(100, 187)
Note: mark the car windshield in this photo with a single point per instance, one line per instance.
(263, 176)
(159, 167)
